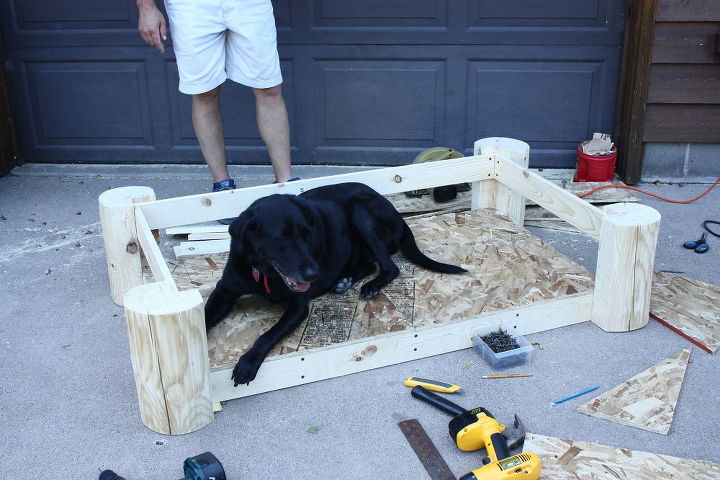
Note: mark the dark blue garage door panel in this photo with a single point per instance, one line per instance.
(367, 101)
(380, 13)
(76, 14)
(554, 103)
(366, 81)
(71, 101)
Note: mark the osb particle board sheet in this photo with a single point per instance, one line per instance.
(571, 460)
(647, 400)
(508, 267)
(689, 306)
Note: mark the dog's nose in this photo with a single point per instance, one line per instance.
(309, 273)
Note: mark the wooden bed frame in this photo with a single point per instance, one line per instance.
(168, 343)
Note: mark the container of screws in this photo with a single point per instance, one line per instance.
(501, 349)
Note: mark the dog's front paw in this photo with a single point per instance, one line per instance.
(246, 369)
(343, 284)
(369, 290)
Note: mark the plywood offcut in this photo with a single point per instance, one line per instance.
(572, 460)
(647, 400)
(689, 307)
(508, 266)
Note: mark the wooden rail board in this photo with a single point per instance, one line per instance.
(535, 215)
(572, 460)
(553, 198)
(193, 209)
(509, 267)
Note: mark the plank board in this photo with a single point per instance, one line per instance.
(647, 400)
(572, 460)
(682, 123)
(689, 307)
(193, 209)
(202, 247)
(684, 84)
(685, 43)
(509, 267)
(203, 228)
(553, 198)
(688, 11)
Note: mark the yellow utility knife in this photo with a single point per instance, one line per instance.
(432, 385)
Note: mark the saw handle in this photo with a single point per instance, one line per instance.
(437, 401)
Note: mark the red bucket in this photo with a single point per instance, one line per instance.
(595, 168)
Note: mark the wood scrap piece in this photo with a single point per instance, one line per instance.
(688, 307)
(572, 460)
(203, 247)
(647, 400)
(208, 236)
(188, 229)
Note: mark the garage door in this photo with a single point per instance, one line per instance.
(368, 82)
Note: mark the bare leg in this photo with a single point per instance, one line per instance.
(208, 124)
(272, 119)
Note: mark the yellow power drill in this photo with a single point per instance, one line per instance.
(476, 429)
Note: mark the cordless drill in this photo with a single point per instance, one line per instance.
(475, 429)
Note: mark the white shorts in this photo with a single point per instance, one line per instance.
(219, 39)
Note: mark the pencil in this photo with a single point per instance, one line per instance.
(508, 375)
(582, 392)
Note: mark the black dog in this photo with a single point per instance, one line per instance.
(293, 248)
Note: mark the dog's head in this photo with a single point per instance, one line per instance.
(277, 235)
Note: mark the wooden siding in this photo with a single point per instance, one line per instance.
(683, 98)
(634, 87)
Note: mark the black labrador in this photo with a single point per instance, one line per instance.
(290, 249)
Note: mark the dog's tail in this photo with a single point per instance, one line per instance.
(409, 248)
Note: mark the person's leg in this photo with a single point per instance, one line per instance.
(208, 124)
(272, 120)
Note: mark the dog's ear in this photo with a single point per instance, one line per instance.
(238, 227)
(311, 217)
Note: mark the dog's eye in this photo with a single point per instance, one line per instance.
(251, 226)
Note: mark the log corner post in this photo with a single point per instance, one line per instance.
(623, 278)
(492, 193)
(168, 349)
(122, 250)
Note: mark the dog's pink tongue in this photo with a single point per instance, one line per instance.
(302, 286)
